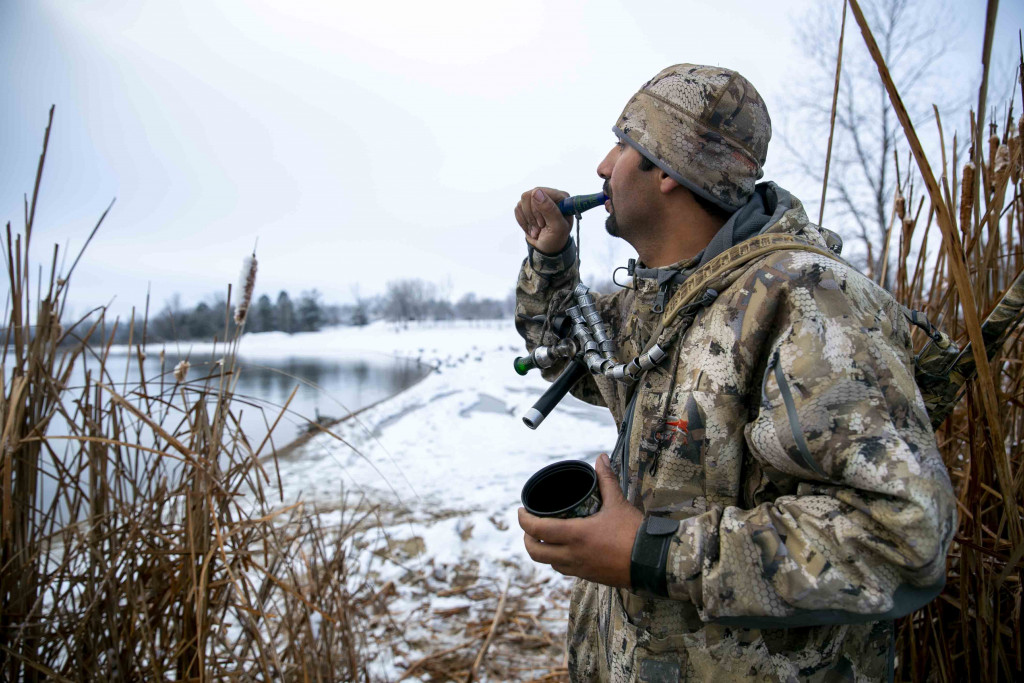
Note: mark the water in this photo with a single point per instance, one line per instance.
(328, 387)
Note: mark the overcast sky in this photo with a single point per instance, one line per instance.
(360, 142)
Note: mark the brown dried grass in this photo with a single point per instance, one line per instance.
(163, 550)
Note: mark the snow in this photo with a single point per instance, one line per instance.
(455, 439)
(447, 457)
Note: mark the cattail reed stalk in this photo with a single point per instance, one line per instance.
(162, 550)
(966, 198)
(1001, 165)
(181, 370)
(993, 147)
(1020, 145)
(246, 285)
(972, 632)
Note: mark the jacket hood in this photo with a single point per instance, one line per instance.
(770, 209)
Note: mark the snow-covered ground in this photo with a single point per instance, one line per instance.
(455, 440)
(450, 454)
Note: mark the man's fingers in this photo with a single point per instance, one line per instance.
(521, 219)
(556, 195)
(537, 209)
(552, 531)
(526, 204)
(531, 231)
(540, 203)
(546, 213)
(608, 481)
(546, 553)
(546, 209)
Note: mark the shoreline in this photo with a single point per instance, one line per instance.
(314, 429)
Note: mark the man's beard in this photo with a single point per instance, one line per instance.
(611, 225)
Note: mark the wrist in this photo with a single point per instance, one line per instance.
(552, 250)
(647, 565)
(549, 264)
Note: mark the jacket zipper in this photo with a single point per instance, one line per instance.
(622, 444)
(806, 460)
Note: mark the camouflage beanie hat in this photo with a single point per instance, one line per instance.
(704, 126)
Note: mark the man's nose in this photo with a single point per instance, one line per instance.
(604, 169)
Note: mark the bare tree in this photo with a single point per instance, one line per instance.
(912, 35)
(309, 312)
(407, 299)
(469, 307)
(360, 314)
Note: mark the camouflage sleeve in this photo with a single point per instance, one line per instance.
(545, 282)
(865, 536)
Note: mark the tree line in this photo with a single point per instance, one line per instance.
(403, 301)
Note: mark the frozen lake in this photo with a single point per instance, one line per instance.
(329, 386)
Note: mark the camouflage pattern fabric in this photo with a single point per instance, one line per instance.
(707, 127)
(943, 369)
(787, 434)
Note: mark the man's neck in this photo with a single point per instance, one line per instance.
(679, 240)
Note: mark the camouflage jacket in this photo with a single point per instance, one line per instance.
(786, 434)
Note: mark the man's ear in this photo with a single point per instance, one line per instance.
(667, 183)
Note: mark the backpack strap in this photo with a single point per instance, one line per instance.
(727, 267)
(707, 282)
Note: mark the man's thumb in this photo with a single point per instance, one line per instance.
(607, 480)
(545, 205)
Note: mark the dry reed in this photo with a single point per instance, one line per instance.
(141, 539)
(973, 631)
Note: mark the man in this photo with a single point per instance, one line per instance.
(776, 497)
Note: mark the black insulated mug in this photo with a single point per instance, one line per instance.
(564, 489)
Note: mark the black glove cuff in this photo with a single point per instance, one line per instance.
(650, 554)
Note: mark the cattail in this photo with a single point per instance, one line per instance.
(1019, 170)
(908, 226)
(993, 145)
(1016, 162)
(246, 285)
(1001, 166)
(901, 204)
(966, 196)
(181, 370)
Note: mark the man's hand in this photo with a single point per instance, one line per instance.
(538, 215)
(596, 548)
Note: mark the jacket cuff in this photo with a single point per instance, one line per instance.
(552, 264)
(650, 554)
(685, 561)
